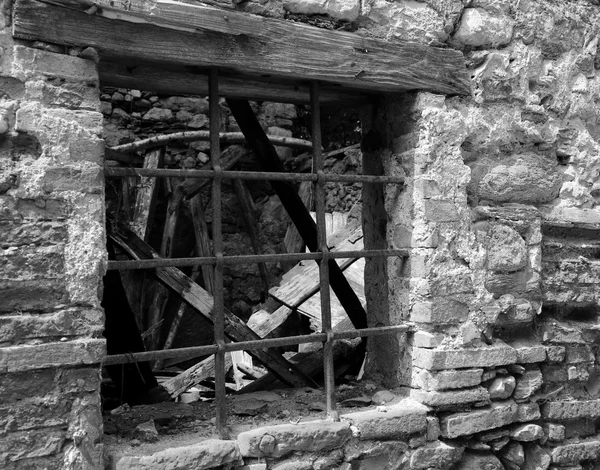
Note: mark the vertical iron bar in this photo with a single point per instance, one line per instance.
(322, 241)
(218, 313)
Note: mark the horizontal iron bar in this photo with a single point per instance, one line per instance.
(249, 259)
(251, 175)
(196, 351)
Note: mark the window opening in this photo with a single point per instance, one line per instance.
(313, 232)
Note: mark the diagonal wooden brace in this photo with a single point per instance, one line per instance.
(202, 302)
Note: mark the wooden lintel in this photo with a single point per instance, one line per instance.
(195, 36)
(169, 81)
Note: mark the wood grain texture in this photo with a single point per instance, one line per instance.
(174, 34)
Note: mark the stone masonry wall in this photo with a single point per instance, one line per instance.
(52, 256)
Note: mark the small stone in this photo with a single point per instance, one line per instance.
(527, 384)
(146, 431)
(198, 121)
(267, 444)
(527, 433)
(554, 432)
(512, 455)
(433, 428)
(536, 458)
(479, 461)
(435, 455)
(159, 115)
(501, 387)
(471, 336)
(499, 444)
(382, 397)
(480, 28)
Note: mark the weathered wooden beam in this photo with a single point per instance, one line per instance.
(202, 302)
(169, 81)
(177, 35)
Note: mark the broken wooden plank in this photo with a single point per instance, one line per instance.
(249, 215)
(172, 82)
(202, 240)
(302, 281)
(146, 195)
(194, 35)
(293, 240)
(203, 303)
(175, 386)
(269, 161)
(226, 138)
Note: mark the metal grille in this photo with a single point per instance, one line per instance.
(218, 261)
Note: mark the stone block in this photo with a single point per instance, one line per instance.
(528, 353)
(498, 354)
(206, 454)
(563, 409)
(433, 428)
(356, 449)
(29, 63)
(66, 95)
(64, 323)
(520, 282)
(578, 353)
(554, 373)
(554, 432)
(497, 415)
(527, 432)
(425, 339)
(397, 422)
(536, 458)
(527, 384)
(37, 295)
(502, 387)
(507, 251)
(280, 440)
(450, 398)
(70, 178)
(446, 379)
(440, 211)
(31, 444)
(479, 27)
(439, 311)
(435, 455)
(17, 233)
(479, 461)
(31, 262)
(69, 353)
(572, 454)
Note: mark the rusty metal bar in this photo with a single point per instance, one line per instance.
(318, 165)
(218, 309)
(251, 175)
(249, 259)
(195, 351)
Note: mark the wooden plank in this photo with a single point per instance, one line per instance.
(177, 34)
(339, 320)
(202, 239)
(293, 240)
(175, 386)
(203, 303)
(173, 82)
(302, 281)
(146, 195)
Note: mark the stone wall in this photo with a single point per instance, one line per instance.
(52, 256)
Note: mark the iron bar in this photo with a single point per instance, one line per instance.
(251, 175)
(250, 259)
(319, 191)
(196, 351)
(218, 308)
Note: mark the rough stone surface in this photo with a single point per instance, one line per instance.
(527, 384)
(450, 398)
(339, 9)
(495, 416)
(280, 440)
(207, 454)
(480, 28)
(446, 379)
(435, 455)
(536, 458)
(438, 359)
(527, 433)
(501, 387)
(400, 420)
(571, 454)
(478, 461)
(571, 409)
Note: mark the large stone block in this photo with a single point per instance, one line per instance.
(507, 251)
(451, 398)
(438, 359)
(207, 454)
(446, 379)
(574, 409)
(84, 179)
(439, 311)
(435, 455)
(17, 233)
(31, 262)
(497, 415)
(572, 454)
(29, 63)
(66, 95)
(397, 422)
(61, 324)
(30, 444)
(37, 295)
(69, 353)
(279, 440)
